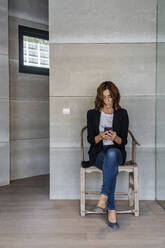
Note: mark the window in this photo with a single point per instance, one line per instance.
(33, 51)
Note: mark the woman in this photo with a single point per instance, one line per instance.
(107, 131)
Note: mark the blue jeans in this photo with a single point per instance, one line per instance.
(108, 160)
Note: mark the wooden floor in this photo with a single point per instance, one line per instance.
(29, 219)
(162, 203)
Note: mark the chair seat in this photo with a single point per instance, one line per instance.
(127, 167)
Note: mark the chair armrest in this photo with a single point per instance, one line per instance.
(82, 143)
(133, 138)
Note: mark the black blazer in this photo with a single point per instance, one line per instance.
(120, 125)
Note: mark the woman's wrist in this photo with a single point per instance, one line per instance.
(98, 138)
(118, 140)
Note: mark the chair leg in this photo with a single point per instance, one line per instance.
(131, 190)
(136, 189)
(82, 191)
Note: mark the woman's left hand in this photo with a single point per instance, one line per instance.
(111, 135)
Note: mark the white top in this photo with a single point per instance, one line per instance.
(106, 121)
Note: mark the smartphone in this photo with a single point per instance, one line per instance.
(107, 129)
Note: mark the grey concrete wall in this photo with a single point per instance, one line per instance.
(92, 41)
(4, 95)
(29, 97)
(30, 10)
(160, 104)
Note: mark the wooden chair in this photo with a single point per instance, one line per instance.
(130, 167)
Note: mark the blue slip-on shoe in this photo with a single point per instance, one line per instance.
(102, 201)
(100, 210)
(113, 225)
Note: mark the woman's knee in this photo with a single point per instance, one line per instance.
(112, 154)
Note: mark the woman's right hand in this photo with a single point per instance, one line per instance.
(102, 134)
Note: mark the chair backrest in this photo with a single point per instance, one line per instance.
(133, 147)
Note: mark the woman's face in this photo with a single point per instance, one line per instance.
(108, 101)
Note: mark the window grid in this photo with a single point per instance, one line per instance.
(35, 53)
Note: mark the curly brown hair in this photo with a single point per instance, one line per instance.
(99, 103)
